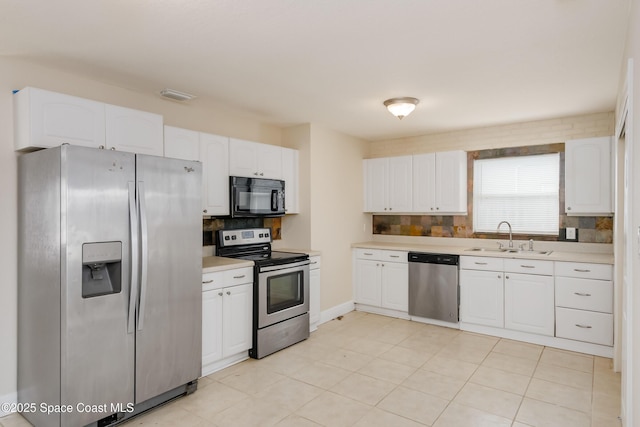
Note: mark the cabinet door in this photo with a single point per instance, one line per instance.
(237, 315)
(134, 131)
(375, 184)
(482, 297)
(45, 119)
(269, 161)
(211, 326)
(243, 160)
(395, 286)
(400, 183)
(451, 182)
(588, 180)
(424, 183)
(181, 143)
(314, 298)
(529, 303)
(290, 177)
(214, 152)
(368, 282)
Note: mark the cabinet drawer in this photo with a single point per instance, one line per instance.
(584, 294)
(368, 253)
(315, 262)
(585, 270)
(529, 266)
(394, 256)
(212, 281)
(481, 263)
(239, 276)
(583, 325)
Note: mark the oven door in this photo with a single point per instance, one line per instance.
(283, 292)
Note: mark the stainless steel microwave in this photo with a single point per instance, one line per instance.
(256, 197)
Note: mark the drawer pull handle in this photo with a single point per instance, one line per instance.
(394, 256)
(480, 263)
(527, 266)
(314, 262)
(581, 270)
(581, 294)
(207, 281)
(583, 326)
(367, 253)
(239, 277)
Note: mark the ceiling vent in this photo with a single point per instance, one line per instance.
(176, 95)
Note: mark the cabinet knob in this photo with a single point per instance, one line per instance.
(204, 211)
(568, 208)
(390, 209)
(220, 293)
(437, 208)
(499, 276)
(261, 174)
(255, 173)
(506, 277)
(228, 292)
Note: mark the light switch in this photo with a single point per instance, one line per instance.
(571, 233)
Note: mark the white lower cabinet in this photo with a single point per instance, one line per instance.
(482, 291)
(227, 305)
(382, 279)
(528, 303)
(314, 298)
(584, 302)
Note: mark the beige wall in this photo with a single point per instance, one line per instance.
(336, 209)
(631, 375)
(16, 75)
(513, 135)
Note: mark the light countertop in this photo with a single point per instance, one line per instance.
(561, 255)
(309, 252)
(211, 264)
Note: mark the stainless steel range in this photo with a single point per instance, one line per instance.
(280, 291)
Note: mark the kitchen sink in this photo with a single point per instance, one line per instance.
(510, 251)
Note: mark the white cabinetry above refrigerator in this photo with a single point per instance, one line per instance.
(44, 119)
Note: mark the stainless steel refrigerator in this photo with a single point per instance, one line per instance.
(110, 288)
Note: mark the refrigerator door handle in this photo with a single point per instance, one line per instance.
(144, 254)
(133, 226)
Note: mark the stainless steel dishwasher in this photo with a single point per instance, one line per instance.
(433, 286)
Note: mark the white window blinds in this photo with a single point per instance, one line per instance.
(523, 190)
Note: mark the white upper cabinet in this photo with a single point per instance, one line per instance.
(440, 182)
(588, 177)
(181, 143)
(254, 160)
(388, 184)
(44, 119)
(134, 131)
(290, 177)
(214, 155)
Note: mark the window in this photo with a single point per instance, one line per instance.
(522, 190)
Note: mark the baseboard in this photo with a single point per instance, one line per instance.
(338, 310)
(11, 399)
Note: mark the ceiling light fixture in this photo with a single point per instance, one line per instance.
(176, 95)
(401, 107)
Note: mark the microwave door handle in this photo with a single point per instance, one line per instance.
(274, 200)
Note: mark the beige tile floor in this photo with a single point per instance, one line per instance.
(369, 370)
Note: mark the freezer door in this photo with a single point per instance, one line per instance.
(169, 338)
(97, 352)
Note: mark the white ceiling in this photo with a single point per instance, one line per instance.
(333, 62)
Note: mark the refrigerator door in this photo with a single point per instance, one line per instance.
(168, 333)
(97, 352)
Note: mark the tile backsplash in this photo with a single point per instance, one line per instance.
(590, 229)
(211, 225)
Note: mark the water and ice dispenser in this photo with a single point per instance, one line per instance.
(101, 269)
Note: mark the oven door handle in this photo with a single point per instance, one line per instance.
(284, 266)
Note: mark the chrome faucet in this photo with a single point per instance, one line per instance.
(510, 234)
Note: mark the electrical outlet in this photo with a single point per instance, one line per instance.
(571, 233)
